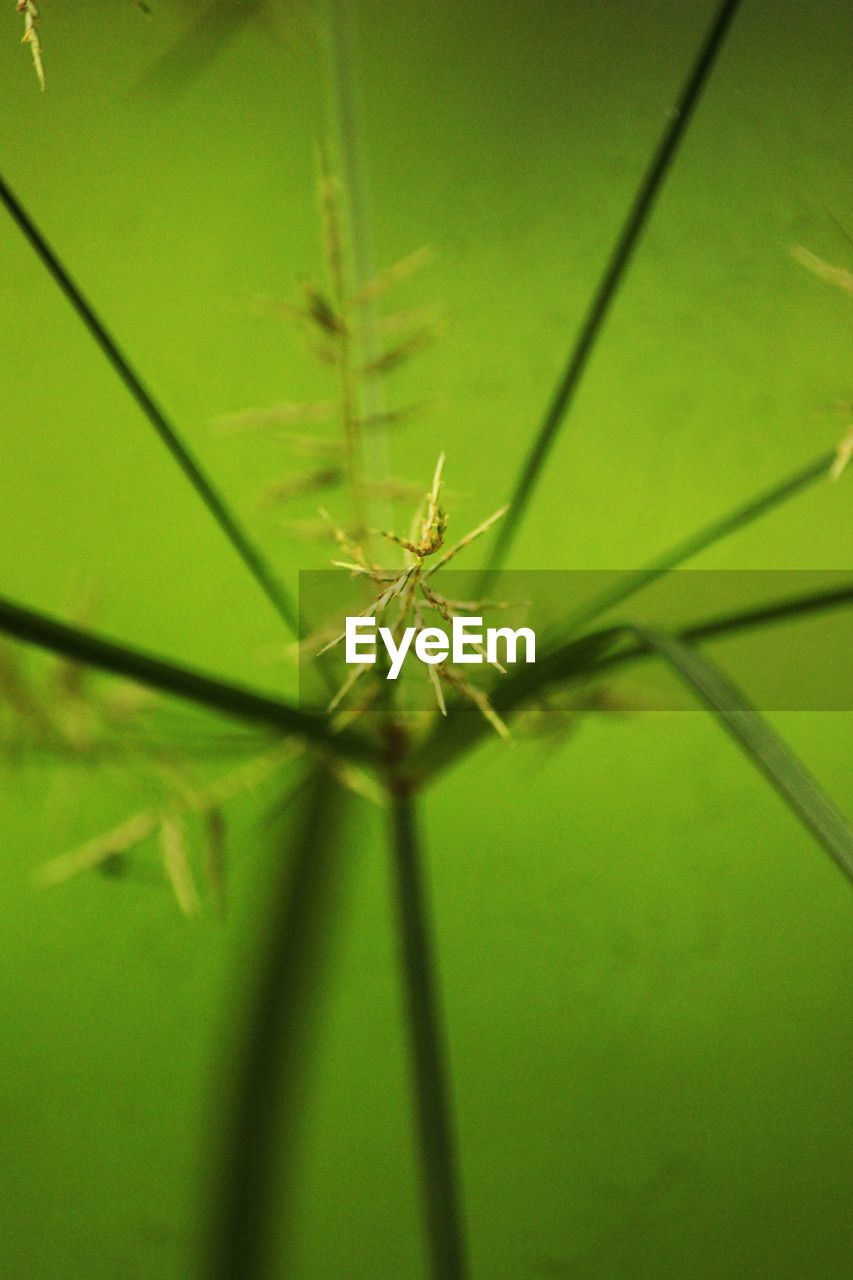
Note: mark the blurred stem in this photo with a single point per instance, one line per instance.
(262, 1131)
(347, 114)
(433, 1107)
(168, 677)
(348, 393)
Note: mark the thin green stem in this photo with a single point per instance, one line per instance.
(738, 518)
(431, 1085)
(171, 678)
(620, 260)
(263, 1125)
(737, 621)
(216, 505)
(593, 655)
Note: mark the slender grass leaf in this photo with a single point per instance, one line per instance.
(760, 741)
(737, 518)
(169, 677)
(738, 621)
(620, 259)
(212, 499)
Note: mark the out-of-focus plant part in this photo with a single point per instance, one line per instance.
(210, 26)
(59, 709)
(69, 714)
(843, 454)
(31, 36)
(358, 345)
(184, 806)
(341, 322)
(557, 714)
(341, 325)
(841, 278)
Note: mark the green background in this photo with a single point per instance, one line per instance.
(646, 962)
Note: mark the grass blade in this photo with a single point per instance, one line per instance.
(170, 678)
(262, 1131)
(727, 624)
(218, 508)
(761, 743)
(430, 1078)
(737, 518)
(614, 274)
(592, 655)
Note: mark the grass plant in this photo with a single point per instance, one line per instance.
(373, 749)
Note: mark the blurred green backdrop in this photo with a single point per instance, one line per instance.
(646, 962)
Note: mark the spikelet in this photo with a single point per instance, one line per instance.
(406, 322)
(386, 280)
(184, 801)
(299, 485)
(173, 847)
(276, 416)
(320, 312)
(467, 540)
(389, 417)
(88, 856)
(397, 355)
(359, 782)
(342, 719)
(448, 613)
(407, 592)
(31, 36)
(355, 673)
(479, 698)
(435, 681)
